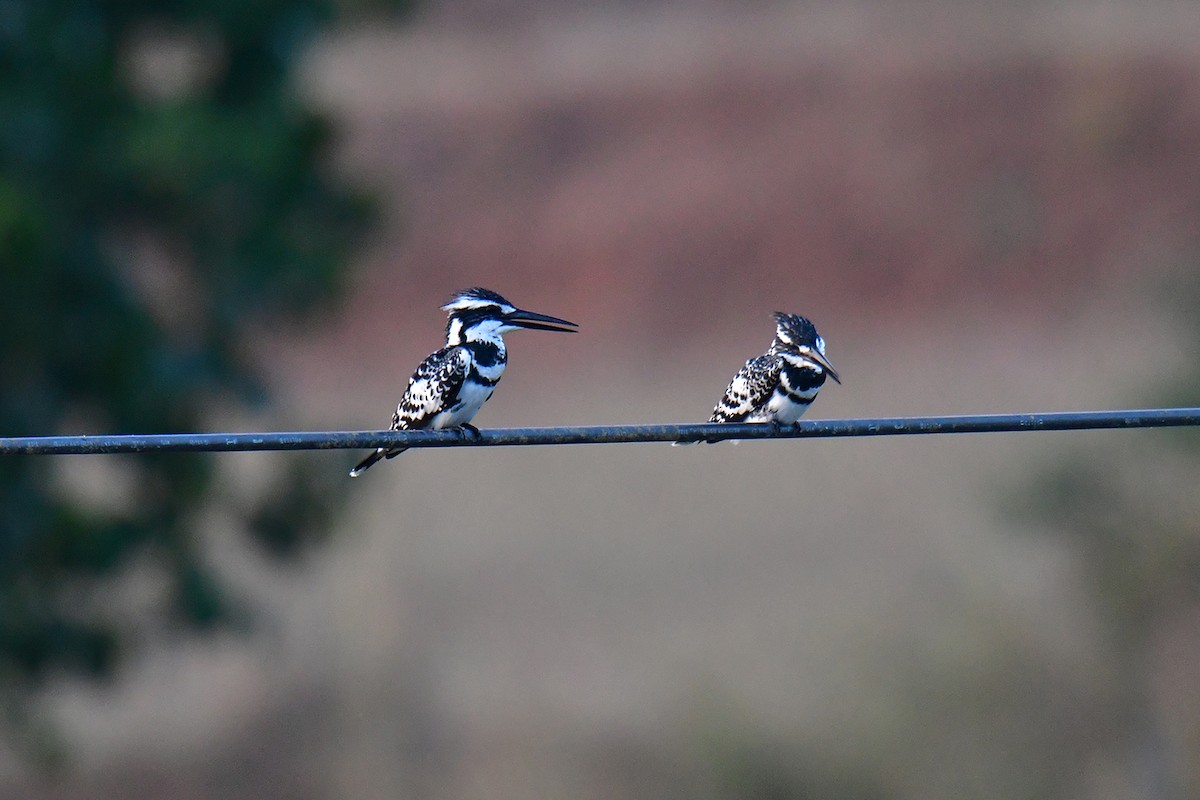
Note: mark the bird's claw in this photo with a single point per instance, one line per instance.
(780, 428)
(469, 432)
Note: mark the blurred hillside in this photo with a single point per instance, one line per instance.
(983, 206)
(661, 166)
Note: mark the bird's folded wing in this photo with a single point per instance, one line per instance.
(749, 389)
(433, 388)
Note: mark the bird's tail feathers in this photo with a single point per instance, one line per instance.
(366, 463)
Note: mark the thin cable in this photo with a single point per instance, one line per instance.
(598, 434)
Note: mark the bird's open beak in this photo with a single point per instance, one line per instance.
(815, 355)
(539, 322)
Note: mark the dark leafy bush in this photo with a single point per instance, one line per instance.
(162, 195)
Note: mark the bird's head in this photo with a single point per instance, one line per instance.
(796, 334)
(481, 314)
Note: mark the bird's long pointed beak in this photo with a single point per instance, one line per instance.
(539, 322)
(816, 356)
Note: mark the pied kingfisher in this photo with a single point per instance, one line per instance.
(452, 384)
(778, 386)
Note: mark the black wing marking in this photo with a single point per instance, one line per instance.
(433, 388)
(749, 389)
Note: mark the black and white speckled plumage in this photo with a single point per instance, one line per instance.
(450, 386)
(433, 389)
(749, 389)
(779, 385)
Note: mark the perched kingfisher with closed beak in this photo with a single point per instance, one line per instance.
(452, 384)
(779, 386)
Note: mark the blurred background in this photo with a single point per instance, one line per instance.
(220, 215)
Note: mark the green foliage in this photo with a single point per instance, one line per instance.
(161, 197)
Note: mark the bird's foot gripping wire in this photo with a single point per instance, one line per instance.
(469, 432)
(778, 427)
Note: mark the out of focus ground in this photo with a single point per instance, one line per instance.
(982, 208)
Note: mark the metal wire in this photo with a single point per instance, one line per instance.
(599, 434)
